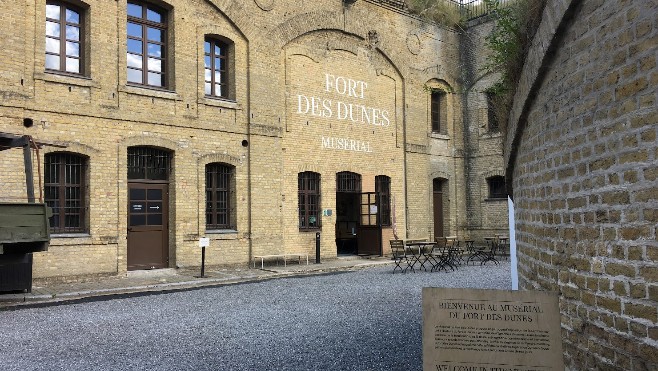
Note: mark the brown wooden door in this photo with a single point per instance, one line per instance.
(438, 214)
(148, 230)
(369, 234)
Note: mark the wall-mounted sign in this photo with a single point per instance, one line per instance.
(326, 212)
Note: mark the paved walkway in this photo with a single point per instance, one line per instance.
(165, 280)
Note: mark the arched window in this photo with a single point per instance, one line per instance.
(64, 187)
(65, 29)
(308, 184)
(439, 111)
(148, 163)
(217, 65)
(220, 192)
(348, 182)
(147, 44)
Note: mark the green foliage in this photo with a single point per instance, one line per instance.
(515, 24)
(443, 12)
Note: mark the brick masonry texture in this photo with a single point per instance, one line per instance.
(280, 54)
(581, 153)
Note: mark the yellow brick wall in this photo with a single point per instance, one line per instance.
(280, 51)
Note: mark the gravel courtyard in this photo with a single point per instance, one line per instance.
(369, 319)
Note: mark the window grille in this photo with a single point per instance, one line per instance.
(308, 184)
(148, 163)
(218, 196)
(64, 188)
(348, 182)
(383, 189)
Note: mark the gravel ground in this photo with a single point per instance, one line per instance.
(367, 319)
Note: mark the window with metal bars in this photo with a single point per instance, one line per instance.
(348, 182)
(148, 163)
(438, 112)
(64, 191)
(492, 120)
(308, 184)
(383, 189)
(64, 38)
(216, 64)
(219, 190)
(497, 187)
(146, 44)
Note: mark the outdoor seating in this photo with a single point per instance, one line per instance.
(489, 253)
(503, 249)
(419, 250)
(456, 251)
(400, 257)
(474, 252)
(440, 256)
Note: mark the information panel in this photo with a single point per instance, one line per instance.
(491, 330)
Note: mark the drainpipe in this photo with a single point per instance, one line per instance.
(249, 144)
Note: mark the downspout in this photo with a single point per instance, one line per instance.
(249, 144)
(465, 46)
(404, 159)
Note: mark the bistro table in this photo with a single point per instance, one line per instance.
(420, 250)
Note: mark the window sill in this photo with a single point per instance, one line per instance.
(492, 134)
(439, 136)
(52, 76)
(219, 102)
(307, 230)
(70, 235)
(221, 231)
(150, 92)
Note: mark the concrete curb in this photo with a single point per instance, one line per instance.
(28, 300)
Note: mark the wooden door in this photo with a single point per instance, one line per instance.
(438, 214)
(148, 229)
(369, 235)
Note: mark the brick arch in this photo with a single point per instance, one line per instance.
(440, 174)
(234, 15)
(163, 143)
(220, 157)
(495, 172)
(72, 147)
(349, 42)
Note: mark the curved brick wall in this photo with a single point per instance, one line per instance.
(583, 157)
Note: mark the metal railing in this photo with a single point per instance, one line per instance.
(470, 9)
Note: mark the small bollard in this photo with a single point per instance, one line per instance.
(317, 248)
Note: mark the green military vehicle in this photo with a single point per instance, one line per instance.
(24, 227)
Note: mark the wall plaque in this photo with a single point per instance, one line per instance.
(491, 330)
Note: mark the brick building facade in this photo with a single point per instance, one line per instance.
(253, 123)
(582, 156)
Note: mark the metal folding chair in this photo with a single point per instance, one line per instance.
(399, 256)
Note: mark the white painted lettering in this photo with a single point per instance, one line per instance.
(315, 106)
(326, 104)
(299, 104)
(342, 107)
(386, 121)
(340, 81)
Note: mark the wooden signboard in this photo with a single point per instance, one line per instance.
(491, 330)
